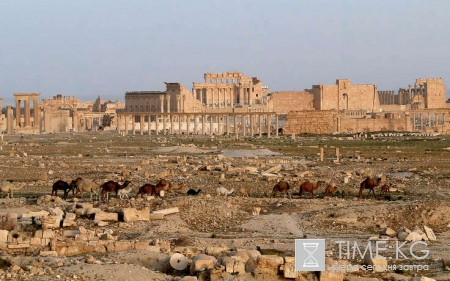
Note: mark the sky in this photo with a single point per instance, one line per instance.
(104, 48)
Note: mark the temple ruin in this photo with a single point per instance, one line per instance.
(230, 103)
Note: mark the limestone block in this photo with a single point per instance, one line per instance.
(48, 233)
(388, 231)
(189, 252)
(35, 241)
(331, 276)
(379, 263)
(269, 264)
(167, 211)
(4, 235)
(216, 251)
(18, 246)
(229, 264)
(57, 212)
(91, 211)
(71, 233)
(120, 246)
(414, 237)
(103, 216)
(48, 254)
(423, 278)
(131, 214)
(289, 270)
(141, 245)
(202, 262)
(35, 214)
(70, 217)
(430, 233)
(273, 169)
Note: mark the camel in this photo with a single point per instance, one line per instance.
(112, 186)
(85, 185)
(174, 186)
(370, 184)
(308, 186)
(223, 191)
(124, 192)
(330, 189)
(146, 189)
(385, 188)
(282, 187)
(9, 188)
(62, 185)
(244, 191)
(193, 192)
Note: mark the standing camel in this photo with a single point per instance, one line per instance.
(369, 184)
(308, 186)
(112, 186)
(282, 187)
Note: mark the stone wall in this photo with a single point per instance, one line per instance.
(286, 101)
(327, 122)
(310, 121)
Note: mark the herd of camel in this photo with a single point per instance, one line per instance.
(81, 185)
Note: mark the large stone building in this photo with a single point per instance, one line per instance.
(220, 92)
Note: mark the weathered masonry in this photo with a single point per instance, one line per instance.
(237, 124)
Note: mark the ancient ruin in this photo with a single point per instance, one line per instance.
(234, 104)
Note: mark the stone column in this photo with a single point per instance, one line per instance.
(241, 95)
(179, 125)
(252, 125)
(409, 94)
(212, 97)
(133, 123)
(203, 124)
(9, 120)
(165, 124)
(27, 113)
(18, 115)
(188, 121)
(36, 114)
(211, 129)
(168, 103)
(232, 91)
(260, 125)
(268, 125)
(126, 124)
(157, 124)
(161, 101)
(236, 135)
(195, 125)
(276, 125)
(228, 124)
(141, 124)
(244, 124)
(178, 104)
(171, 124)
(219, 124)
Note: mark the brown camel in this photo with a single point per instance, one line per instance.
(385, 188)
(370, 184)
(330, 189)
(282, 187)
(308, 186)
(112, 186)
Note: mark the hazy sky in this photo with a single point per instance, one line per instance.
(93, 47)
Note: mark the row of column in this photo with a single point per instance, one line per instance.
(243, 124)
(223, 97)
(26, 114)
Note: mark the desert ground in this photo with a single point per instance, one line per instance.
(416, 166)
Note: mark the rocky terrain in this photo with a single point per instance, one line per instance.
(217, 237)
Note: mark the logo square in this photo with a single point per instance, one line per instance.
(310, 254)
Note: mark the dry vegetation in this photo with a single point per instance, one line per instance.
(416, 169)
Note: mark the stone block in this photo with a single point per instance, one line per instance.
(202, 262)
(331, 276)
(430, 233)
(4, 235)
(103, 216)
(48, 233)
(48, 254)
(269, 264)
(132, 214)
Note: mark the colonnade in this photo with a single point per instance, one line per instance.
(239, 124)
